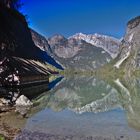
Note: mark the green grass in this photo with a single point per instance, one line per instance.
(2, 137)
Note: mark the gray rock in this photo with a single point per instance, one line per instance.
(23, 101)
(130, 46)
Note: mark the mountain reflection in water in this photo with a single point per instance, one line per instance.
(81, 105)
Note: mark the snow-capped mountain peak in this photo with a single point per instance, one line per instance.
(109, 44)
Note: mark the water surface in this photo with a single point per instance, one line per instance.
(85, 108)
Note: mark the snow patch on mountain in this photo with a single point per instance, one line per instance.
(109, 44)
(118, 64)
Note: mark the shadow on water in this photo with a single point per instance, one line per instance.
(12, 94)
(13, 116)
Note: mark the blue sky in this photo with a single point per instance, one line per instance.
(68, 17)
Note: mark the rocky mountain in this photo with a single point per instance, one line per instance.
(78, 54)
(88, 58)
(64, 48)
(40, 41)
(109, 44)
(129, 56)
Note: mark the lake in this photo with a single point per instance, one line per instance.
(80, 108)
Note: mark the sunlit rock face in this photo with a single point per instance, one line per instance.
(78, 54)
(40, 41)
(23, 101)
(83, 52)
(109, 44)
(64, 48)
(130, 46)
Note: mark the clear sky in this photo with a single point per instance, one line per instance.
(68, 17)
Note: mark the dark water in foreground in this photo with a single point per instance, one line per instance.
(82, 108)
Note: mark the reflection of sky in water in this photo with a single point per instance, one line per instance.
(112, 123)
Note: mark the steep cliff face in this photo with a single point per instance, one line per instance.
(40, 41)
(63, 47)
(16, 39)
(67, 48)
(129, 56)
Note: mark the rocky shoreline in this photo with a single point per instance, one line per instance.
(7, 132)
(12, 117)
(28, 135)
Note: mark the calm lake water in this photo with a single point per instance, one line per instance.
(83, 108)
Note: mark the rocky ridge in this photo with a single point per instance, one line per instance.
(130, 47)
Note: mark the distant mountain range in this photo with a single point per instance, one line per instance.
(83, 52)
(88, 52)
(109, 44)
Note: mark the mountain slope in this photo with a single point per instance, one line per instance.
(109, 44)
(40, 41)
(77, 54)
(129, 56)
(88, 58)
